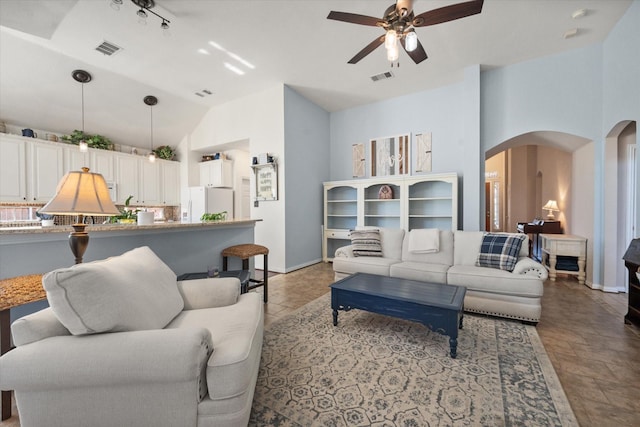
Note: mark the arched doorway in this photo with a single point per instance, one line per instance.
(619, 205)
(541, 166)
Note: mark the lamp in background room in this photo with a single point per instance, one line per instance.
(551, 206)
(81, 193)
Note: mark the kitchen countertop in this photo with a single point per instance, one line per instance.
(91, 228)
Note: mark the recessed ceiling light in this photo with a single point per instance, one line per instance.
(579, 13)
(570, 33)
(233, 68)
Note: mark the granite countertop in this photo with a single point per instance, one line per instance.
(21, 290)
(127, 227)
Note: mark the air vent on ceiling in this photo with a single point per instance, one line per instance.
(383, 76)
(108, 48)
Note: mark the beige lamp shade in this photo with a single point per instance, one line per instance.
(81, 193)
(551, 207)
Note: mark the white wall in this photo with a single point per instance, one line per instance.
(258, 118)
(583, 201)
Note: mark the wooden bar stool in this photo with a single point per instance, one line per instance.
(244, 252)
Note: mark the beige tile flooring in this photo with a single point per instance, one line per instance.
(596, 356)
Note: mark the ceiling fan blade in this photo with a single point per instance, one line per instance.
(367, 50)
(418, 54)
(448, 13)
(354, 18)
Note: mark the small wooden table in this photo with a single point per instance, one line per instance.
(554, 245)
(437, 306)
(14, 292)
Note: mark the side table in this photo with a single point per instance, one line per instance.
(14, 292)
(554, 245)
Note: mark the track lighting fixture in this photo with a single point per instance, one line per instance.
(145, 6)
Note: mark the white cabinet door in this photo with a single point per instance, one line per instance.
(170, 183)
(149, 183)
(102, 162)
(13, 170)
(127, 178)
(74, 159)
(47, 167)
(216, 173)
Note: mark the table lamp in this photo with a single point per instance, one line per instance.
(81, 193)
(551, 206)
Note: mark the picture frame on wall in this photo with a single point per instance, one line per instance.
(358, 160)
(266, 181)
(423, 152)
(390, 156)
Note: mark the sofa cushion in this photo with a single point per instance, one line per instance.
(366, 243)
(364, 264)
(466, 247)
(493, 281)
(421, 271)
(500, 251)
(133, 291)
(443, 256)
(390, 239)
(236, 334)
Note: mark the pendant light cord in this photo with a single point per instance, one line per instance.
(82, 86)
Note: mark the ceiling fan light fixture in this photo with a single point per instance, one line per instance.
(391, 39)
(392, 54)
(411, 41)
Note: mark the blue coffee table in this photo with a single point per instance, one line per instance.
(437, 306)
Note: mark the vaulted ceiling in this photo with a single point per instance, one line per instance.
(286, 41)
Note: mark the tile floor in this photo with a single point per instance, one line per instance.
(596, 356)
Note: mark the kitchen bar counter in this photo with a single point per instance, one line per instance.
(126, 227)
(184, 247)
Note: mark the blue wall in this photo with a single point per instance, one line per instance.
(307, 165)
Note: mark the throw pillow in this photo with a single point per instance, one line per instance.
(366, 243)
(133, 291)
(500, 251)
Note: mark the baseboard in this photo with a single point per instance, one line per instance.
(299, 266)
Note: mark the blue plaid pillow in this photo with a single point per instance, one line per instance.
(500, 251)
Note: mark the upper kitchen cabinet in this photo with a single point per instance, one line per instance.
(170, 183)
(29, 170)
(216, 173)
(149, 183)
(46, 162)
(98, 161)
(13, 169)
(127, 178)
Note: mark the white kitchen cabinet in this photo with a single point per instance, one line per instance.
(149, 190)
(170, 172)
(98, 161)
(216, 173)
(425, 201)
(46, 162)
(127, 178)
(13, 170)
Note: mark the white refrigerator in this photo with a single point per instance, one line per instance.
(199, 200)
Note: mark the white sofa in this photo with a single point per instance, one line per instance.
(124, 344)
(516, 294)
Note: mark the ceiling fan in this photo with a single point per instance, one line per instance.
(399, 23)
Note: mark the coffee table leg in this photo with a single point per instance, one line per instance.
(461, 317)
(453, 345)
(335, 317)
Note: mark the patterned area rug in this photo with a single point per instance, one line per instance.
(373, 370)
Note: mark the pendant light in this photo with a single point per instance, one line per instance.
(151, 100)
(83, 77)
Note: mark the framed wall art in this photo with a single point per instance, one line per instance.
(390, 156)
(423, 152)
(358, 160)
(266, 181)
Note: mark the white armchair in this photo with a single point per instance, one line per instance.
(199, 369)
